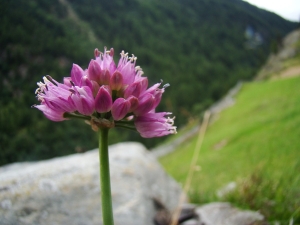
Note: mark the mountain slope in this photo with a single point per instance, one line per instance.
(194, 45)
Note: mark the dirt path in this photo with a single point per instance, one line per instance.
(289, 72)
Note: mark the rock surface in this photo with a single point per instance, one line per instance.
(66, 190)
(222, 213)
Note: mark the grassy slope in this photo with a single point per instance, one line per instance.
(261, 154)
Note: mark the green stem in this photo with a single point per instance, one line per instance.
(76, 116)
(107, 213)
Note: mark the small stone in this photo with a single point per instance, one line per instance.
(220, 213)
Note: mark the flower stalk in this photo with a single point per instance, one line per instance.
(106, 201)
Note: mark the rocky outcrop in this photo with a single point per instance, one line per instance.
(275, 63)
(66, 190)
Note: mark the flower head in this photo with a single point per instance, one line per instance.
(107, 95)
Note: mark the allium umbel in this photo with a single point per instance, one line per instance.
(107, 95)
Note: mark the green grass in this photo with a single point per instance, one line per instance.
(260, 152)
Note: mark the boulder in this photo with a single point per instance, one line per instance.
(66, 190)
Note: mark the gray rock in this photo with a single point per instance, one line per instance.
(222, 213)
(66, 190)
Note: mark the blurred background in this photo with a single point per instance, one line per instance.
(202, 48)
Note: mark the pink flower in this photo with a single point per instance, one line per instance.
(107, 95)
(154, 125)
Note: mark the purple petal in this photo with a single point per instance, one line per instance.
(116, 81)
(146, 103)
(120, 108)
(103, 100)
(51, 114)
(76, 74)
(94, 71)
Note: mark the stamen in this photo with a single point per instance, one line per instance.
(166, 85)
(132, 58)
(123, 54)
(51, 80)
(173, 131)
(41, 87)
(170, 120)
(140, 73)
(111, 52)
(97, 52)
(45, 80)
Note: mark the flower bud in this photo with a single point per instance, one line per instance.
(133, 89)
(136, 88)
(104, 78)
(94, 71)
(146, 103)
(134, 103)
(76, 74)
(103, 100)
(116, 81)
(95, 87)
(120, 108)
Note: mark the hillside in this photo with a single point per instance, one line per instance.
(250, 154)
(185, 43)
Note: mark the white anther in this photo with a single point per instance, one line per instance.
(166, 85)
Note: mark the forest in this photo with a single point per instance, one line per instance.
(202, 48)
